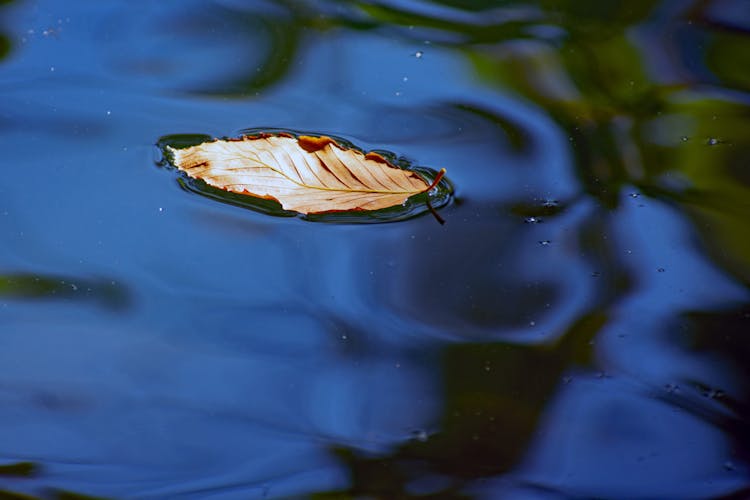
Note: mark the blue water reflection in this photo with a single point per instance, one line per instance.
(576, 328)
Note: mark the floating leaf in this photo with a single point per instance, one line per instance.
(305, 174)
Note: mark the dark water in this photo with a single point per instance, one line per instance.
(578, 327)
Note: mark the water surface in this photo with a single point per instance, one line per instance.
(576, 329)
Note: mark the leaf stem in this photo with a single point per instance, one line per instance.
(440, 220)
(438, 178)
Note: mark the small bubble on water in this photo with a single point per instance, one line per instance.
(405, 79)
(660, 270)
(545, 243)
(684, 138)
(52, 69)
(634, 195)
(549, 203)
(398, 94)
(161, 209)
(418, 54)
(532, 323)
(714, 393)
(532, 220)
(419, 435)
(344, 337)
(109, 112)
(712, 141)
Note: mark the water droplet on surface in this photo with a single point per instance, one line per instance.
(713, 141)
(405, 79)
(418, 54)
(419, 435)
(714, 393)
(109, 112)
(684, 138)
(672, 388)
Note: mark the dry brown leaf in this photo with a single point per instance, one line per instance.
(305, 174)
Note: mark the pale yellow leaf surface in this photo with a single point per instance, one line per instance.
(305, 174)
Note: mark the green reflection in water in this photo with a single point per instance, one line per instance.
(31, 286)
(19, 469)
(5, 43)
(494, 395)
(676, 140)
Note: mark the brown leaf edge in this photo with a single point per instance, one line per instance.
(438, 194)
